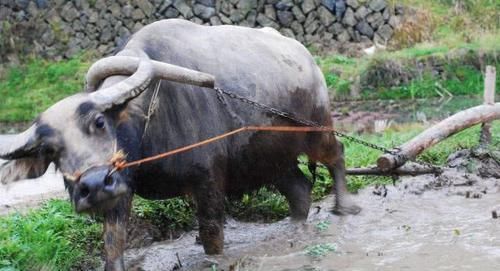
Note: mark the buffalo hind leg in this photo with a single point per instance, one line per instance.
(115, 234)
(343, 203)
(210, 212)
(297, 190)
(332, 155)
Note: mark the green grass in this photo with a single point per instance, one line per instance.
(31, 88)
(50, 238)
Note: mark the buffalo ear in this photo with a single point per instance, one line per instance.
(23, 168)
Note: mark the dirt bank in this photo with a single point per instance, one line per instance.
(422, 223)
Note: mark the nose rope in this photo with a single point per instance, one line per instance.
(118, 161)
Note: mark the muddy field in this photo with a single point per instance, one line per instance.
(421, 223)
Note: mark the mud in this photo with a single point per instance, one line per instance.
(25, 194)
(422, 223)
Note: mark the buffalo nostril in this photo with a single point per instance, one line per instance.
(108, 181)
(84, 191)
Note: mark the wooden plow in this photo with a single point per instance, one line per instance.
(394, 163)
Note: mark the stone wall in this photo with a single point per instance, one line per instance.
(60, 28)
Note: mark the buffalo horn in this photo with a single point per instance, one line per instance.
(18, 145)
(127, 89)
(127, 65)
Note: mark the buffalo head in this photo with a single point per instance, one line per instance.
(79, 133)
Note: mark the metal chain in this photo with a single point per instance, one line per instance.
(293, 118)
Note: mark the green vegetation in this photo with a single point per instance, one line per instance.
(50, 238)
(442, 47)
(320, 250)
(31, 88)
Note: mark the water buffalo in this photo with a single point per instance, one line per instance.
(82, 132)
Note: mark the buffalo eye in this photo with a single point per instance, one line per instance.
(99, 122)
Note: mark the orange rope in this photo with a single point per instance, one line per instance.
(119, 165)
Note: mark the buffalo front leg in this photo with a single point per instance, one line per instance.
(115, 234)
(297, 190)
(210, 212)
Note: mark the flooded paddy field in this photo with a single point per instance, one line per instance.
(422, 223)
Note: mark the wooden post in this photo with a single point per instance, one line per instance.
(489, 98)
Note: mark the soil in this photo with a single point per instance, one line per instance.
(421, 223)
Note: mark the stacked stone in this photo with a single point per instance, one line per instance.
(60, 28)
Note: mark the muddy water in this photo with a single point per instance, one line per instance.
(415, 227)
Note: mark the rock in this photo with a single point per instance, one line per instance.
(325, 17)
(308, 6)
(183, 8)
(226, 7)
(41, 4)
(22, 4)
(163, 7)
(77, 25)
(352, 3)
(100, 5)
(203, 12)
(361, 13)
(4, 13)
(284, 5)
(299, 15)
(145, 6)
(297, 28)
(137, 27)
(343, 36)
(251, 18)
(69, 12)
(106, 35)
(236, 16)
(264, 21)
(377, 5)
(287, 32)
(349, 18)
(310, 39)
(394, 21)
(196, 20)
(215, 21)
(246, 6)
(329, 4)
(208, 3)
(285, 18)
(224, 19)
(386, 14)
(270, 12)
(171, 12)
(375, 20)
(312, 16)
(48, 37)
(312, 27)
(336, 28)
(385, 33)
(127, 11)
(137, 14)
(365, 29)
(340, 8)
(399, 9)
(115, 9)
(32, 9)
